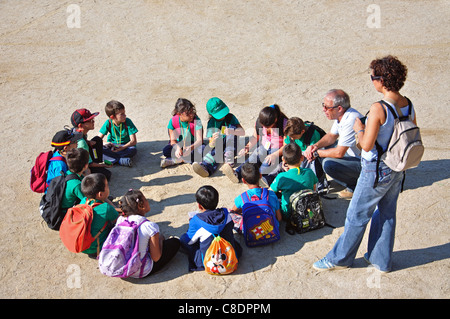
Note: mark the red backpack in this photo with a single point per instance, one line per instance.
(38, 180)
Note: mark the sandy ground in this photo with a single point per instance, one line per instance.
(147, 54)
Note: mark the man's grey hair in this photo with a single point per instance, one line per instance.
(339, 97)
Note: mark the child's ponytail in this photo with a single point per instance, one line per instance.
(130, 202)
(270, 114)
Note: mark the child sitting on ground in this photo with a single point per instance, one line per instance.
(268, 137)
(83, 121)
(222, 131)
(296, 131)
(159, 250)
(251, 177)
(210, 221)
(121, 135)
(96, 189)
(77, 161)
(294, 179)
(185, 134)
(63, 141)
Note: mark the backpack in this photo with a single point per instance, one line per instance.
(259, 224)
(38, 179)
(220, 258)
(75, 230)
(405, 148)
(306, 212)
(176, 122)
(50, 205)
(311, 127)
(120, 255)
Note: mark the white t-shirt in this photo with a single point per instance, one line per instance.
(146, 230)
(344, 129)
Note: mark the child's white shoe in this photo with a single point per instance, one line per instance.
(125, 161)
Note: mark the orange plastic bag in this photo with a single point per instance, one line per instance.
(220, 258)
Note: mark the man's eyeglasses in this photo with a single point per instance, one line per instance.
(329, 107)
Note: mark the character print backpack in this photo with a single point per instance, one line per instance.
(38, 179)
(75, 230)
(50, 205)
(220, 258)
(259, 224)
(120, 255)
(306, 212)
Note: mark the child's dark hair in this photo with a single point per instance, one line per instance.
(294, 126)
(184, 105)
(292, 154)
(130, 202)
(208, 197)
(92, 184)
(270, 114)
(77, 158)
(112, 107)
(250, 173)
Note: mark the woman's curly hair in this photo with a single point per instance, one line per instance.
(392, 71)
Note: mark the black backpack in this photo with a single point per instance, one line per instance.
(306, 212)
(50, 206)
(311, 127)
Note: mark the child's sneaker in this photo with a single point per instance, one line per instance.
(230, 173)
(166, 162)
(125, 161)
(229, 158)
(325, 264)
(200, 169)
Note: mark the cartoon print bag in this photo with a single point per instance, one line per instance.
(220, 258)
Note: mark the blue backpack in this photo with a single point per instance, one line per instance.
(259, 222)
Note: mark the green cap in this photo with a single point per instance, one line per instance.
(217, 108)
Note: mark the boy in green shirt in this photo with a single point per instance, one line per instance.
(121, 135)
(77, 161)
(294, 179)
(96, 189)
(83, 121)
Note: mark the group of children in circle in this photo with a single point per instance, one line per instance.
(276, 163)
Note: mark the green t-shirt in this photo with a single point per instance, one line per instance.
(185, 128)
(290, 182)
(118, 134)
(314, 139)
(82, 143)
(214, 125)
(102, 213)
(72, 193)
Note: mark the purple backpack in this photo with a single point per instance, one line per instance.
(120, 256)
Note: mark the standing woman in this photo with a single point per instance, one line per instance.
(379, 202)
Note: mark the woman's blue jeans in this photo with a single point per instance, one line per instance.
(378, 204)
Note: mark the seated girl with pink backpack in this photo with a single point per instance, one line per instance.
(185, 135)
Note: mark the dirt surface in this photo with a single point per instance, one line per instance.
(147, 54)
